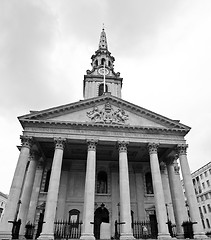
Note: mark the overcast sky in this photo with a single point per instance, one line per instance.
(162, 50)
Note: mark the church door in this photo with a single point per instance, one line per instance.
(154, 226)
(101, 215)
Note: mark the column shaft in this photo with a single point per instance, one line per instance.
(53, 190)
(158, 193)
(26, 194)
(12, 207)
(35, 193)
(190, 193)
(180, 212)
(167, 194)
(89, 194)
(125, 209)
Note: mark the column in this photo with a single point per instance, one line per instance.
(12, 206)
(35, 192)
(190, 193)
(89, 194)
(125, 210)
(166, 191)
(158, 192)
(178, 200)
(53, 190)
(26, 193)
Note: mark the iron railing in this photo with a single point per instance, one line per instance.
(143, 229)
(67, 229)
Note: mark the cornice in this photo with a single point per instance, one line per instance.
(51, 123)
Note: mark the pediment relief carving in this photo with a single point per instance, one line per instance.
(107, 115)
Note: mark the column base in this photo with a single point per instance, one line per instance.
(126, 236)
(5, 235)
(180, 236)
(87, 236)
(164, 236)
(200, 235)
(45, 236)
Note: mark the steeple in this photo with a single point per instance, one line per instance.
(103, 41)
(102, 68)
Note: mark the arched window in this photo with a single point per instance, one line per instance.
(102, 61)
(47, 180)
(101, 89)
(96, 63)
(102, 182)
(148, 180)
(74, 215)
(109, 63)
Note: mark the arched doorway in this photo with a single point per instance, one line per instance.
(101, 215)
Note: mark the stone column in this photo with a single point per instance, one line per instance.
(89, 194)
(167, 194)
(125, 209)
(53, 190)
(158, 192)
(12, 206)
(35, 192)
(26, 193)
(190, 193)
(178, 200)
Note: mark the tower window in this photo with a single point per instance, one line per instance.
(102, 61)
(96, 63)
(101, 89)
(148, 180)
(102, 182)
(109, 63)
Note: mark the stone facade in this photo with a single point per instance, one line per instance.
(101, 158)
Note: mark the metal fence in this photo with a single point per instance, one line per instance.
(67, 230)
(143, 229)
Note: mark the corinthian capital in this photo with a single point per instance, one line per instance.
(92, 143)
(59, 143)
(153, 147)
(122, 145)
(26, 141)
(182, 149)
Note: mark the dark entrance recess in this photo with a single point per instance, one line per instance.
(154, 226)
(101, 215)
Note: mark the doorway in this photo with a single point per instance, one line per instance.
(101, 215)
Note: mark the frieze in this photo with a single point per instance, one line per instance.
(107, 115)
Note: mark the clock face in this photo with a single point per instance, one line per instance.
(103, 71)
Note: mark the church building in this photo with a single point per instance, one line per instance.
(101, 168)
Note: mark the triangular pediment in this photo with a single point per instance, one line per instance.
(104, 110)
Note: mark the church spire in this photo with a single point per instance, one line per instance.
(102, 77)
(103, 41)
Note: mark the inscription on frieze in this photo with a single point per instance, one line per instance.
(108, 115)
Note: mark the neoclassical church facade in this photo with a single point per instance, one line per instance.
(102, 162)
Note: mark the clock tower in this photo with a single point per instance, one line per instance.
(102, 78)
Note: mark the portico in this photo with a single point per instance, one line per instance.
(101, 151)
